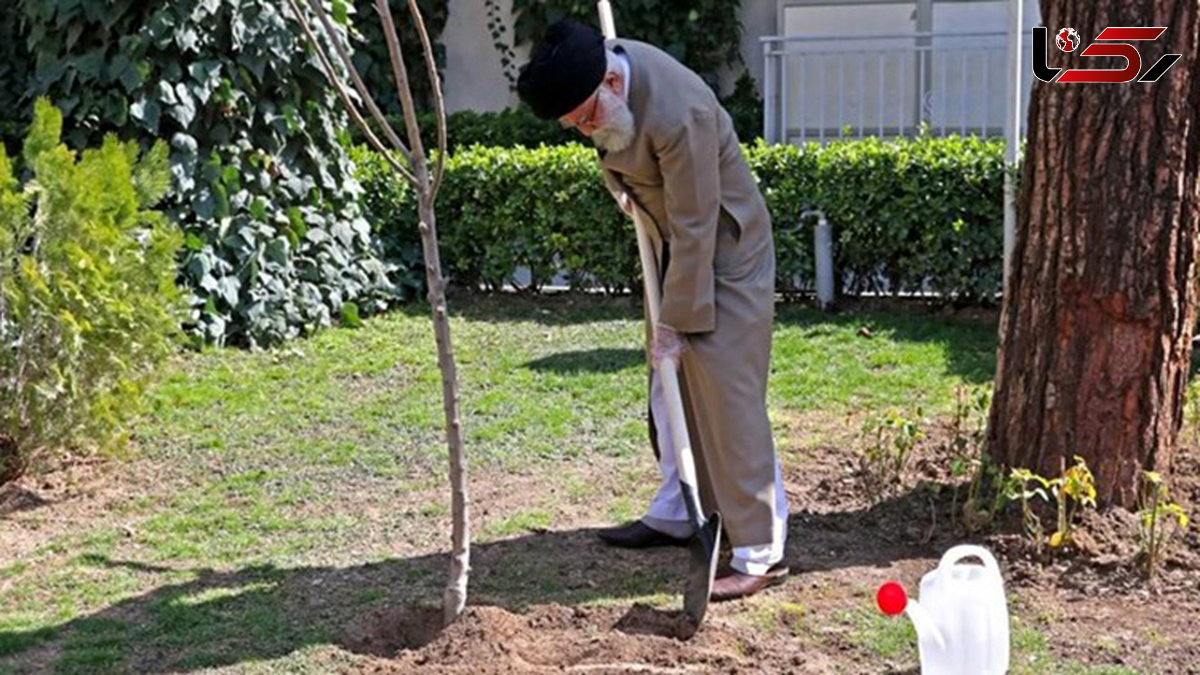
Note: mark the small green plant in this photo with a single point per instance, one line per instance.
(986, 494)
(1073, 489)
(1192, 413)
(968, 428)
(1159, 521)
(891, 439)
(959, 446)
(1023, 486)
(351, 318)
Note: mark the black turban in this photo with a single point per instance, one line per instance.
(565, 69)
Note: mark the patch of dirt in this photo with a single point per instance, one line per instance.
(71, 495)
(1091, 603)
(554, 638)
(533, 592)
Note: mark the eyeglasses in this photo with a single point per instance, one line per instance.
(584, 119)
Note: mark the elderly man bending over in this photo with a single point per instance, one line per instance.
(666, 144)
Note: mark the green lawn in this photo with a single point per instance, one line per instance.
(274, 491)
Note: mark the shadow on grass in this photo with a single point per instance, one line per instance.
(550, 309)
(14, 499)
(603, 360)
(260, 612)
(969, 335)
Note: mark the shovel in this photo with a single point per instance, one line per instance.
(706, 542)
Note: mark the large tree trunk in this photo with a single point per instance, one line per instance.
(1097, 323)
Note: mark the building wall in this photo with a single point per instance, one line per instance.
(955, 81)
(758, 19)
(475, 79)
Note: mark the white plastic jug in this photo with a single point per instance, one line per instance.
(961, 618)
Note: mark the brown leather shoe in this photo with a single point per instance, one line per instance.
(636, 534)
(737, 585)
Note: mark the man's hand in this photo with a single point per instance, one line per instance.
(667, 344)
(626, 203)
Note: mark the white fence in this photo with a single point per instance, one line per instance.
(853, 86)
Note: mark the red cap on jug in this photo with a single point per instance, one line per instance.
(892, 598)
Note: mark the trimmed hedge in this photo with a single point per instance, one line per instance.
(909, 215)
(544, 209)
(504, 128)
(519, 127)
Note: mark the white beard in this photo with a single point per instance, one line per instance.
(617, 132)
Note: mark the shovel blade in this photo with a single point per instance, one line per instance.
(702, 553)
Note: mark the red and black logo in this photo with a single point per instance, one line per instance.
(1119, 37)
(1067, 39)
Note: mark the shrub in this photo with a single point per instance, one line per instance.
(515, 127)
(262, 188)
(544, 209)
(88, 303)
(745, 108)
(909, 215)
(392, 213)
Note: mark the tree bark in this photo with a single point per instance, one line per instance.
(455, 596)
(1096, 329)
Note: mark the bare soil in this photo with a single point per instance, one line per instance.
(554, 599)
(1091, 602)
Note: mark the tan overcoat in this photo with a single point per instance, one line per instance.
(686, 169)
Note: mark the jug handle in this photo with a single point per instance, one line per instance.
(954, 555)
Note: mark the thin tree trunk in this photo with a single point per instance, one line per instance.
(413, 167)
(455, 598)
(1098, 318)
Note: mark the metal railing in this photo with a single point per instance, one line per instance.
(830, 87)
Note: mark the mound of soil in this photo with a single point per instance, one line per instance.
(546, 638)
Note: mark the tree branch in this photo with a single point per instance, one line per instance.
(455, 596)
(363, 92)
(439, 104)
(402, 87)
(331, 75)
